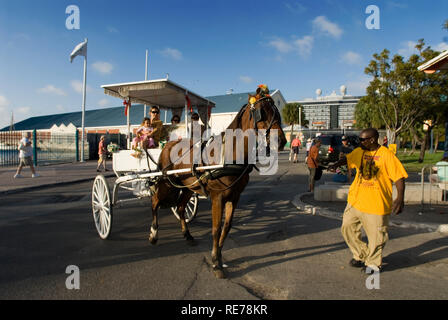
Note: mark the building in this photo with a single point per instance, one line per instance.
(330, 112)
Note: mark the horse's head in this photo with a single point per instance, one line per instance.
(262, 114)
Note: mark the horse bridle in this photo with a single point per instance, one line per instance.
(256, 114)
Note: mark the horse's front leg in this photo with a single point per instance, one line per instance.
(185, 198)
(217, 207)
(153, 233)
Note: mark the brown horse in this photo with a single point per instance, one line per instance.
(224, 187)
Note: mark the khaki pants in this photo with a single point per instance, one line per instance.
(375, 227)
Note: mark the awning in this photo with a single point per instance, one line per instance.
(438, 63)
(162, 92)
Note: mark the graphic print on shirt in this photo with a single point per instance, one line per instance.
(369, 170)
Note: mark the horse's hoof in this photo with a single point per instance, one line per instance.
(219, 273)
(153, 240)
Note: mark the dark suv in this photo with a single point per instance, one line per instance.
(331, 147)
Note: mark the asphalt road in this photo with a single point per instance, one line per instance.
(272, 252)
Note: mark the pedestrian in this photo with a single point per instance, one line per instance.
(25, 156)
(313, 163)
(102, 153)
(296, 148)
(343, 174)
(440, 176)
(309, 142)
(369, 202)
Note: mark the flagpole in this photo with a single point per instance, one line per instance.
(83, 105)
(146, 78)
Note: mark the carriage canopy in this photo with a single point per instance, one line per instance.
(162, 92)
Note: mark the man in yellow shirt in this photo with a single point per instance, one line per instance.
(370, 199)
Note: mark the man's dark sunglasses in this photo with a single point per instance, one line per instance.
(364, 139)
(154, 111)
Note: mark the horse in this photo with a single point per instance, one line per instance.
(225, 188)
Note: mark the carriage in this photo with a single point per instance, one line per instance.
(136, 177)
(222, 179)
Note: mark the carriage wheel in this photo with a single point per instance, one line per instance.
(102, 207)
(190, 210)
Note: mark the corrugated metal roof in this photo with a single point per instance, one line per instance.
(93, 118)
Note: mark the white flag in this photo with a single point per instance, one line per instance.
(80, 50)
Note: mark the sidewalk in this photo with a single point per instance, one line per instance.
(49, 176)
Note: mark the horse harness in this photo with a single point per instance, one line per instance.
(230, 169)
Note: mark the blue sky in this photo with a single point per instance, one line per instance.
(207, 46)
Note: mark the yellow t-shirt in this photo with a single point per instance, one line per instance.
(373, 192)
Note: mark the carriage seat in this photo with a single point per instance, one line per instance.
(123, 162)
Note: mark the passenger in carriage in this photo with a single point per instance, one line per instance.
(148, 135)
(157, 125)
(175, 131)
(196, 124)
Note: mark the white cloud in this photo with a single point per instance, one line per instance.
(352, 58)
(408, 48)
(304, 46)
(246, 79)
(3, 102)
(60, 108)
(103, 102)
(281, 45)
(103, 67)
(443, 46)
(172, 53)
(51, 89)
(326, 27)
(77, 86)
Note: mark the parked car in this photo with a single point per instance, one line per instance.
(331, 146)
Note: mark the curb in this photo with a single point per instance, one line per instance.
(316, 210)
(53, 184)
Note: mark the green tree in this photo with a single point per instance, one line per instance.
(364, 117)
(399, 94)
(290, 115)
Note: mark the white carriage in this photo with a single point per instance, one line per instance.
(137, 176)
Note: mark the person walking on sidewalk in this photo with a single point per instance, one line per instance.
(102, 153)
(313, 163)
(26, 156)
(369, 202)
(296, 148)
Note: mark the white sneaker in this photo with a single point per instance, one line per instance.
(35, 175)
(17, 176)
